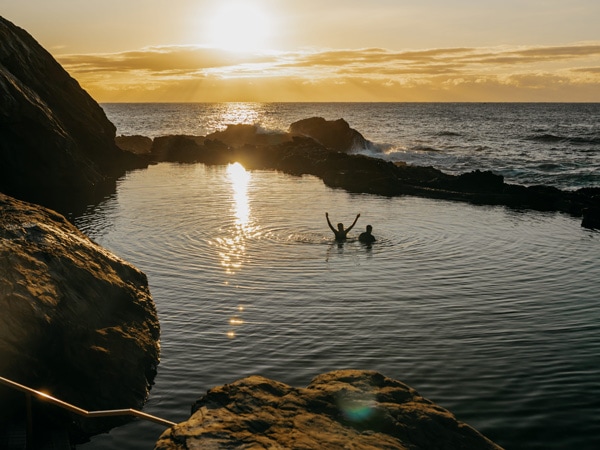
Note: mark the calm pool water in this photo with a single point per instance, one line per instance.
(492, 313)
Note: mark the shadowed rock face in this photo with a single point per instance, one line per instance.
(76, 321)
(591, 218)
(56, 144)
(140, 145)
(341, 409)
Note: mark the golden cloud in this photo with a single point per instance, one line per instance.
(176, 73)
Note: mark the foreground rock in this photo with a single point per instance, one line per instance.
(57, 147)
(343, 409)
(76, 322)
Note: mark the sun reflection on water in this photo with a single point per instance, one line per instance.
(239, 178)
(232, 246)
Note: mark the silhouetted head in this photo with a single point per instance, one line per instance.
(369, 228)
(341, 226)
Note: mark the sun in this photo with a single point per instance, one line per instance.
(239, 26)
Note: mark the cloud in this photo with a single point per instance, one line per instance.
(591, 70)
(158, 59)
(187, 73)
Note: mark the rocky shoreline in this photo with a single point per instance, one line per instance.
(80, 322)
(322, 148)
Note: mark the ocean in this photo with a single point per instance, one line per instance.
(490, 312)
(555, 144)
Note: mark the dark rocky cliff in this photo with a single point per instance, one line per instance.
(76, 321)
(56, 144)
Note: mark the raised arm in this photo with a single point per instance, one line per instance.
(329, 223)
(353, 223)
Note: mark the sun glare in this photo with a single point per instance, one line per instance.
(239, 26)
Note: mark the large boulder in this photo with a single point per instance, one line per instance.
(334, 135)
(342, 409)
(140, 145)
(178, 148)
(77, 321)
(56, 143)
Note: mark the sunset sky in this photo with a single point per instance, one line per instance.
(326, 50)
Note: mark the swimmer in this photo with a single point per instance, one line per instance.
(341, 234)
(366, 237)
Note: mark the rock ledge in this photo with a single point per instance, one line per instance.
(348, 409)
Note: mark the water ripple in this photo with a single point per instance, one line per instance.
(488, 311)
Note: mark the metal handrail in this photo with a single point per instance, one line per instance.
(83, 412)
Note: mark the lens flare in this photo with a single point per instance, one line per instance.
(357, 409)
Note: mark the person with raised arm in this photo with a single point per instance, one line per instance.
(341, 234)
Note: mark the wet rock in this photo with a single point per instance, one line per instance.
(591, 218)
(334, 135)
(77, 321)
(176, 148)
(190, 149)
(478, 181)
(56, 144)
(140, 145)
(341, 409)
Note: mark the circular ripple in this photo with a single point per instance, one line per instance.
(503, 303)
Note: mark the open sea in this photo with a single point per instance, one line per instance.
(491, 312)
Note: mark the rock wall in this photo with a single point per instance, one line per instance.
(76, 321)
(348, 409)
(56, 144)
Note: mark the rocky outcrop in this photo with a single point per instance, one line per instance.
(591, 218)
(242, 135)
(363, 174)
(76, 321)
(342, 409)
(56, 144)
(139, 145)
(334, 135)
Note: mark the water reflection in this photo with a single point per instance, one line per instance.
(234, 246)
(239, 180)
(235, 321)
